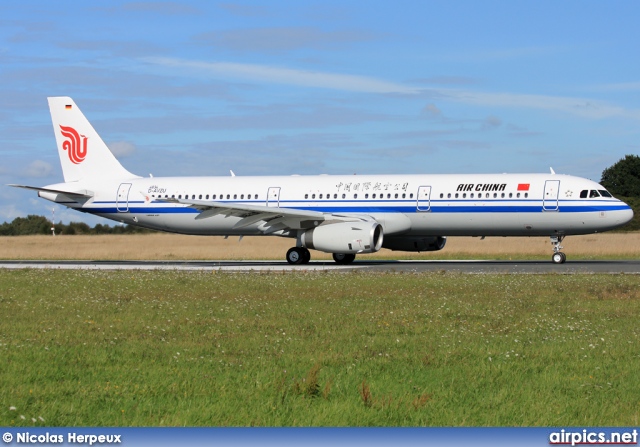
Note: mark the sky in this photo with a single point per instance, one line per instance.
(319, 87)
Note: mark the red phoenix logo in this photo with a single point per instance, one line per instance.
(75, 147)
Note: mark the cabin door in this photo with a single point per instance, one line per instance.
(122, 199)
(550, 198)
(424, 198)
(273, 197)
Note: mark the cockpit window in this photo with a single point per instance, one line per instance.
(593, 194)
(604, 193)
(584, 193)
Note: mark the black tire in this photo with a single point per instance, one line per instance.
(343, 258)
(558, 258)
(564, 257)
(306, 256)
(295, 256)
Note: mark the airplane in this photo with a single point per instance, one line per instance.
(345, 215)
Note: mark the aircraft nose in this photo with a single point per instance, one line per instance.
(626, 215)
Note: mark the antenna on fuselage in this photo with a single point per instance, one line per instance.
(232, 173)
(552, 171)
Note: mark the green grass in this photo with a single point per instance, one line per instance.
(85, 348)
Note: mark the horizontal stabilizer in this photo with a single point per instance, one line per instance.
(84, 194)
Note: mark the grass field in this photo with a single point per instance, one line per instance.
(161, 246)
(85, 348)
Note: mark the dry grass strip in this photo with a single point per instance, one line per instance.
(179, 247)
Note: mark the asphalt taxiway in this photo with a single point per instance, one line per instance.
(472, 266)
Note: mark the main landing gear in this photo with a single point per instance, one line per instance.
(558, 257)
(342, 258)
(300, 255)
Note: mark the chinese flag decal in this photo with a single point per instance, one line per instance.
(523, 186)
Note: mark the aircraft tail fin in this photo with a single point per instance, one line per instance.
(82, 152)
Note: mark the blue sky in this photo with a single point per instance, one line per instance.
(294, 87)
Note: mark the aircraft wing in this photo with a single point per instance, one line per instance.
(273, 218)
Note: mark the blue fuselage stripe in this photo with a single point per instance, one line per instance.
(478, 208)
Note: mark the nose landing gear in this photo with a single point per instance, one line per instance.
(558, 257)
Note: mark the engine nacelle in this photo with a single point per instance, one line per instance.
(344, 237)
(400, 243)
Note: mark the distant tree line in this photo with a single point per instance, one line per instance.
(622, 179)
(32, 224)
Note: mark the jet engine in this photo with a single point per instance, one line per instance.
(433, 243)
(344, 237)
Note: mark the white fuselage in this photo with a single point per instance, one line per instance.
(407, 205)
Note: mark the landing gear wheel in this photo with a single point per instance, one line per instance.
(342, 258)
(558, 257)
(306, 255)
(295, 255)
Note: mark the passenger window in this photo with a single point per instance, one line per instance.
(366, 196)
(228, 196)
(471, 195)
(320, 196)
(510, 195)
(344, 196)
(335, 196)
(306, 196)
(593, 194)
(396, 195)
(449, 196)
(213, 197)
(526, 194)
(388, 196)
(441, 195)
(456, 195)
(487, 196)
(411, 196)
(404, 195)
(179, 196)
(584, 193)
(518, 195)
(502, 195)
(464, 196)
(242, 196)
(495, 195)
(355, 196)
(313, 196)
(604, 193)
(373, 196)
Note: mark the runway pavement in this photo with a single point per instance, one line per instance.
(476, 267)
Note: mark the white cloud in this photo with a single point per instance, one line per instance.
(122, 148)
(432, 111)
(277, 39)
(38, 169)
(620, 87)
(583, 107)
(289, 76)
